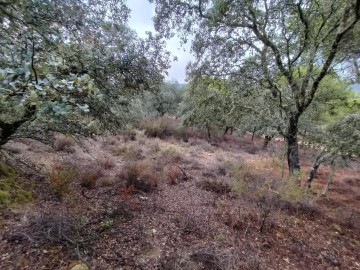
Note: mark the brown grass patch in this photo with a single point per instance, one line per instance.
(142, 176)
(65, 144)
(215, 186)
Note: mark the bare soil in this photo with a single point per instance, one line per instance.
(192, 222)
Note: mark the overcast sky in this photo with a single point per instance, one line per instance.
(141, 21)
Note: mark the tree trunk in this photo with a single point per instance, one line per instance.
(323, 157)
(330, 178)
(226, 130)
(208, 133)
(253, 134)
(292, 145)
(267, 141)
(9, 129)
(313, 170)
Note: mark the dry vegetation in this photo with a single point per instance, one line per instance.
(138, 202)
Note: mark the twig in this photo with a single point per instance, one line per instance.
(185, 175)
(83, 193)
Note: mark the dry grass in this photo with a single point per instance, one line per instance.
(64, 144)
(60, 178)
(107, 162)
(89, 175)
(141, 175)
(216, 186)
(50, 229)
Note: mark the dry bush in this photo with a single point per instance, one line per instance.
(170, 155)
(130, 151)
(119, 150)
(89, 175)
(261, 191)
(206, 146)
(64, 144)
(217, 187)
(106, 163)
(128, 135)
(173, 176)
(211, 258)
(272, 195)
(167, 126)
(160, 127)
(106, 182)
(154, 146)
(141, 175)
(191, 225)
(112, 141)
(251, 149)
(60, 177)
(53, 229)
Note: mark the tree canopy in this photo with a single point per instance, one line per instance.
(286, 47)
(68, 64)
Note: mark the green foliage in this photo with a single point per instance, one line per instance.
(283, 50)
(11, 191)
(71, 66)
(163, 101)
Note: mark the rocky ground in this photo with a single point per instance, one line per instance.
(132, 202)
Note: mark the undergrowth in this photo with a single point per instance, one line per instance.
(11, 191)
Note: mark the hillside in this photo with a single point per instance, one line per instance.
(133, 202)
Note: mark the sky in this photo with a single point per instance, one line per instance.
(142, 13)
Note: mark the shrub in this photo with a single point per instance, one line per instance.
(170, 156)
(160, 127)
(54, 229)
(251, 149)
(107, 182)
(128, 135)
(217, 187)
(89, 175)
(175, 174)
(11, 192)
(107, 163)
(142, 176)
(64, 144)
(60, 178)
(131, 151)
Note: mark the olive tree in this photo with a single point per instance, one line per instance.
(260, 42)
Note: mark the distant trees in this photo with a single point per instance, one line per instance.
(71, 66)
(260, 42)
(165, 99)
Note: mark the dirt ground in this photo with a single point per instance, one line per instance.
(194, 214)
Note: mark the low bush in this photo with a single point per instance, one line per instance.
(128, 135)
(272, 195)
(11, 191)
(217, 187)
(161, 127)
(170, 155)
(60, 177)
(141, 175)
(53, 229)
(175, 174)
(89, 175)
(106, 162)
(64, 144)
(167, 126)
(130, 151)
